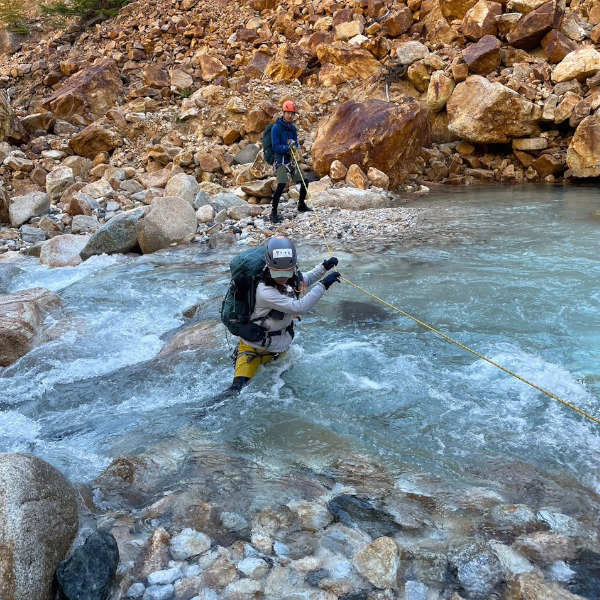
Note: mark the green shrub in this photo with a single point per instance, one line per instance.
(12, 15)
(87, 10)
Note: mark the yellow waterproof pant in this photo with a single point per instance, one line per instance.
(249, 359)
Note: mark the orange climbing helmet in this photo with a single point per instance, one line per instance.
(289, 106)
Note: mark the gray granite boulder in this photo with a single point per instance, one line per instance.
(24, 208)
(118, 236)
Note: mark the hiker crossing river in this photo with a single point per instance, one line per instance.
(277, 294)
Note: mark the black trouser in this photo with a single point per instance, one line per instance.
(279, 190)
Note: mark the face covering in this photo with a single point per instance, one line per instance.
(280, 273)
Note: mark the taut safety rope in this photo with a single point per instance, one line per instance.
(433, 329)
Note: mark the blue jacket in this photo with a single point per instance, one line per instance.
(281, 135)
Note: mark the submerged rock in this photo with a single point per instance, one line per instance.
(359, 512)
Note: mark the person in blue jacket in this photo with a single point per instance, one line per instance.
(284, 137)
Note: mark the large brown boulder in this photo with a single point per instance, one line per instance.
(21, 316)
(94, 90)
(95, 139)
(38, 522)
(583, 154)
(455, 9)
(485, 112)
(289, 63)
(351, 62)
(529, 31)
(384, 135)
(580, 65)
(481, 20)
(484, 56)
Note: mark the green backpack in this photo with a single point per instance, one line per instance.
(238, 304)
(268, 151)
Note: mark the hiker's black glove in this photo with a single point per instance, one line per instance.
(330, 279)
(330, 263)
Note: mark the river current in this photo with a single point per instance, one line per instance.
(511, 272)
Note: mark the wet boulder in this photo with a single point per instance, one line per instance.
(89, 571)
(533, 585)
(170, 220)
(199, 336)
(21, 316)
(384, 135)
(583, 154)
(94, 91)
(354, 511)
(118, 236)
(38, 522)
(485, 112)
(63, 250)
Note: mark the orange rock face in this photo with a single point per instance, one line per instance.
(384, 135)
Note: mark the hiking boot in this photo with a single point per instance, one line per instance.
(275, 218)
(302, 207)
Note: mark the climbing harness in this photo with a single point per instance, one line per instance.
(295, 158)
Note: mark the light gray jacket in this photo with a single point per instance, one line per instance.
(269, 298)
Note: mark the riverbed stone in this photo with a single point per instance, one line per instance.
(532, 586)
(351, 199)
(170, 220)
(24, 208)
(379, 563)
(88, 573)
(38, 523)
(189, 543)
(545, 548)
(63, 250)
(182, 185)
(117, 236)
(477, 569)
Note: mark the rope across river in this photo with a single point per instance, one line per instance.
(433, 329)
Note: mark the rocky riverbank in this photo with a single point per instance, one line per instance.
(191, 520)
